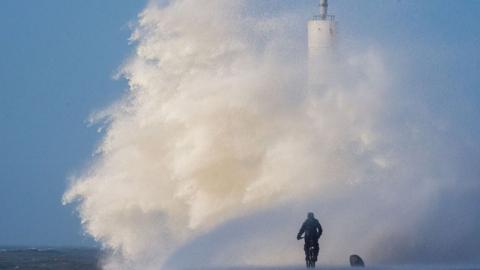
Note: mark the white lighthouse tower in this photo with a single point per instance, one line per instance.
(321, 46)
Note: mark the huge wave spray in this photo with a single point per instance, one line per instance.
(218, 150)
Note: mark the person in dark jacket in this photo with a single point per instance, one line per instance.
(312, 230)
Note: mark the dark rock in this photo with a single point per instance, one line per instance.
(356, 261)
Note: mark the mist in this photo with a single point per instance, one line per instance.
(218, 150)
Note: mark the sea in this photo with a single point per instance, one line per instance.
(49, 258)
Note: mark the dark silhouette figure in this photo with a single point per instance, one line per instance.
(356, 261)
(312, 230)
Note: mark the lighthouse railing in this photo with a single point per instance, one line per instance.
(324, 18)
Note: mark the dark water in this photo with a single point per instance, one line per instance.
(51, 259)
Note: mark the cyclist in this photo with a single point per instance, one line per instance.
(312, 230)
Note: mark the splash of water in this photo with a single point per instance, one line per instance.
(217, 151)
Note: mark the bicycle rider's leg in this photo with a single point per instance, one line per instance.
(306, 248)
(316, 250)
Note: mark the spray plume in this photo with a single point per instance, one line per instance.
(218, 150)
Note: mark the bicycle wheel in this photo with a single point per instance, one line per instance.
(311, 257)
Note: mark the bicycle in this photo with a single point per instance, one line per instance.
(310, 259)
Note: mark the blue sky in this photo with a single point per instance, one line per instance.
(58, 58)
